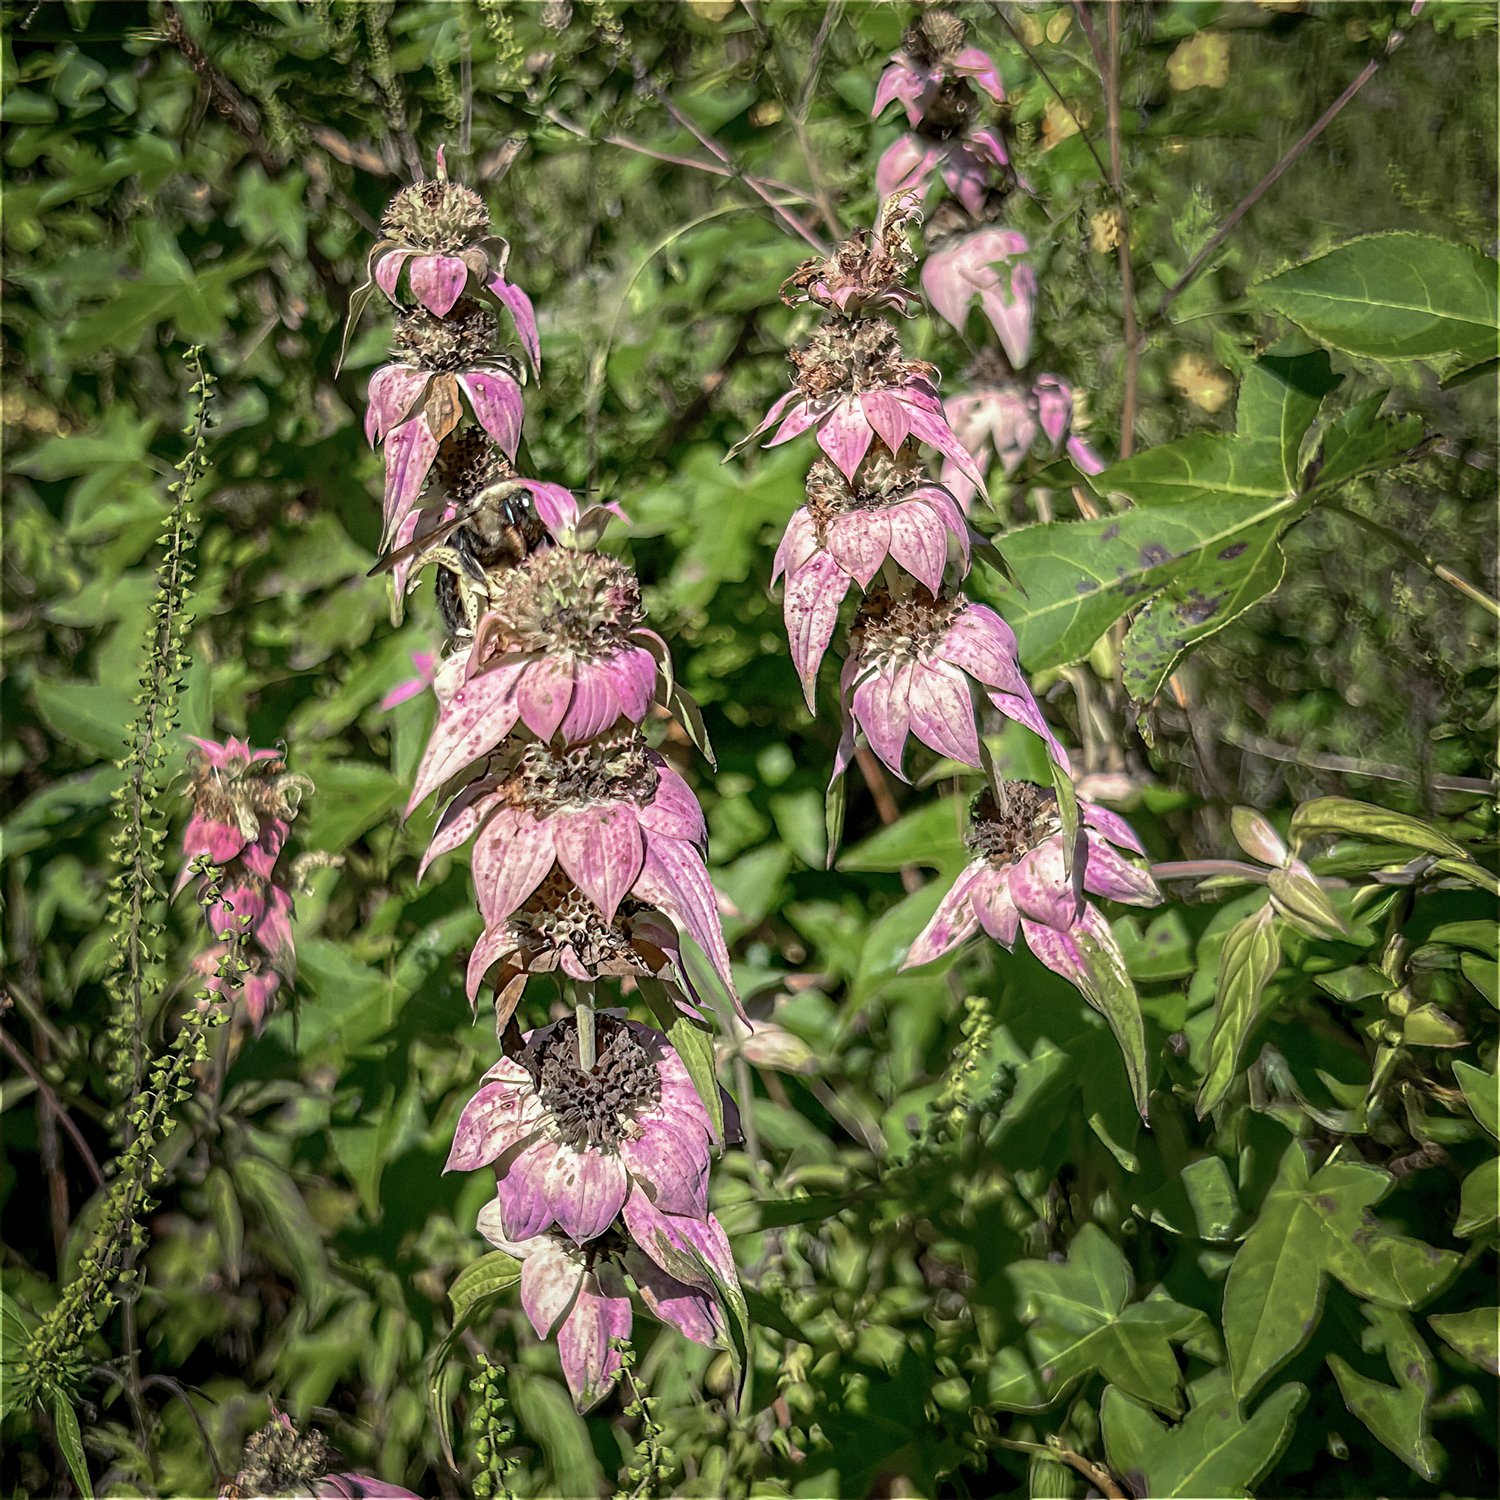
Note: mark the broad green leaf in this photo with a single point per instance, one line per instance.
(1310, 1226)
(1481, 1094)
(1247, 963)
(1474, 1334)
(1363, 820)
(365, 1148)
(487, 1277)
(930, 836)
(1393, 296)
(70, 1441)
(1215, 1450)
(229, 1220)
(1479, 1199)
(1397, 1415)
(1359, 441)
(1197, 605)
(1081, 1320)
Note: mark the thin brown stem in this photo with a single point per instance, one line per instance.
(53, 1104)
(1097, 1474)
(1348, 765)
(1127, 270)
(1261, 188)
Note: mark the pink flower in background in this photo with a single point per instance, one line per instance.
(845, 533)
(914, 77)
(279, 1460)
(909, 672)
(967, 164)
(562, 650)
(1018, 881)
(986, 265)
(569, 1147)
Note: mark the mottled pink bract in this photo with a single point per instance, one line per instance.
(986, 265)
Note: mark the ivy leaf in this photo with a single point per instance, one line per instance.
(1393, 296)
(1247, 963)
(1481, 1094)
(1474, 1334)
(1313, 1225)
(1397, 1415)
(1479, 1200)
(1214, 1450)
(1082, 1319)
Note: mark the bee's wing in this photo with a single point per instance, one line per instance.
(434, 538)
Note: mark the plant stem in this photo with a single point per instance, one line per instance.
(587, 1047)
(1127, 271)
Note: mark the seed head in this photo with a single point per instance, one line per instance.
(1002, 829)
(593, 1109)
(437, 216)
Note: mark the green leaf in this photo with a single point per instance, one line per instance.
(930, 836)
(1311, 1226)
(229, 1220)
(1479, 1199)
(694, 1044)
(1215, 1450)
(1393, 296)
(381, 1134)
(1081, 1320)
(1108, 988)
(1474, 1334)
(70, 1441)
(1196, 606)
(1481, 1094)
(1360, 441)
(1363, 820)
(1397, 1415)
(487, 1277)
(1247, 963)
(285, 1216)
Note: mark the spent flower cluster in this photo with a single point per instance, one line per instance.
(588, 844)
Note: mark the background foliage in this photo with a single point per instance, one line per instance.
(972, 1269)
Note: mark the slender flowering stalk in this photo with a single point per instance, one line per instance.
(588, 846)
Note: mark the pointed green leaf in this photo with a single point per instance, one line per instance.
(1479, 1200)
(1362, 820)
(1393, 296)
(1247, 963)
(1109, 989)
(1397, 1415)
(1481, 1094)
(70, 1441)
(1474, 1334)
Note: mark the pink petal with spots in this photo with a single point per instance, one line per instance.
(478, 716)
(879, 706)
(409, 451)
(919, 543)
(438, 281)
(494, 943)
(682, 1247)
(675, 880)
(458, 821)
(1057, 950)
(951, 923)
(523, 315)
(394, 390)
(601, 850)
(1022, 708)
(673, 811)
(672, 1165)
(887, 414)
(521, 1189)
(220, 842)
(845, 436)
(551, 1276)
(586, 1190)
(798, 546)
(555, 505)
(1054, 404)
(388, 272)
(512, 856)
(498, 406)
(692, 1313)
(942, 712)
(995, 907)
(1106, 874)
(543, 693)
(503, 1111)
(898, 81)
(594, 705)
(982, 644)
(586, 1341)
(811, 611)
(860, 543)
(1111, 825)
(971, 62)
(1010, 313)
(1042, 888)
(632, 674)
(933, 430)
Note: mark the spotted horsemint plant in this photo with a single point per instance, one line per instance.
(243, 802)
(279, 1460)
(588, 846)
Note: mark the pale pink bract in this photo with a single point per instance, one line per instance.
(986, 265)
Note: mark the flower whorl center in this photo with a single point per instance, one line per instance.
(883, 479)
(468, 462)
(1003, 829)
(278, 1460)
(437, 216)
(245, 793)
(593, 1110)
(557, 916)
(613, 768)
(845, 357)
(906, 625)
(460, 341)
(582, 604)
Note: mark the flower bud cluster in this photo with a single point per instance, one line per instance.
(588, 846)
(973, 257)
(243, 803)
(279, 1460)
